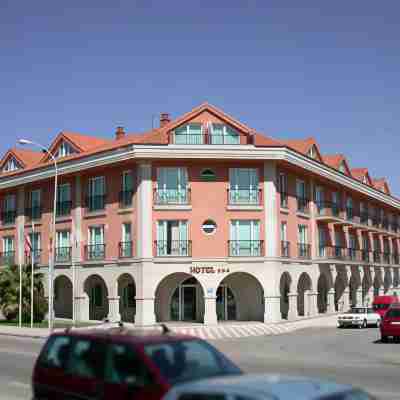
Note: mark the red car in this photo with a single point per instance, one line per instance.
(118, 363)
(390, 325)
(382, 303)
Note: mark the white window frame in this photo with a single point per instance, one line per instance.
(284, 231)
(12, 241)
(11, 165)
(90, 236)
(224, 130)
(300, 228)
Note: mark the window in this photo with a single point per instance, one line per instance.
(63, 199)
(127, 189)
(303, 246)
(208, 175)
(189, 134)
(284, 243)
(64, 149)
(56, 352)
(34, 238)
(303, 234)
(172, 186)
(96, 191)
(243, 186)
(87, 359)
(322, 241)
(223, 134)
(283, 189)
(312, 152)
(175, 360)
(283, 231)
(8, 251)
(245, 238)
(342, 167)
(34, 210)
(9, 209)
(63, 246)
(96, 246)
(349, 208)
(124, 367)
(172, 238)
(11, 165)
(209, 227)
(319, 199)
(126, 244)
(301, 192)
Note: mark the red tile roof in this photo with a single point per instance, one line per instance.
(25, 157)
(333, 160)
(381, 184)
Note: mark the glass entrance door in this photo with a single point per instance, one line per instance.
(226, 304)
(184, 303)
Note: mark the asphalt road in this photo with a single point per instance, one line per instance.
(350, 356)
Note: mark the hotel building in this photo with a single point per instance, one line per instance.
(202, 219)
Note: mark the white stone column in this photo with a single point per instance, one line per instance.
(144, 241)
(77, 219)
(145, 311)
(272, 310)
(293, 312)
(210, 311)
(20, 227)
(82, 307)
(270, 209)
(359, 297)
(312, 304)
(346, 299)
(113, 309)
(330, 307)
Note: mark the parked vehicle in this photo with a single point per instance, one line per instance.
(262, 387)
(121, 363)
(361, 317)
(390, 326)
(382, 303)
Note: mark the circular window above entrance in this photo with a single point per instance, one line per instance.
(209, 227)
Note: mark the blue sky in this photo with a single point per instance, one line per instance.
(286, 68)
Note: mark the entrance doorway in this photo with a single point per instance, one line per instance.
(226, 304)
(184, 301)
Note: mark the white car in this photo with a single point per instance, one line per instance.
(264, 387)
(360, 317)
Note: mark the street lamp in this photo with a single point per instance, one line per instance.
(53, 242)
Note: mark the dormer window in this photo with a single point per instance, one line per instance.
(11, 165)
(189, 134)
(223, 134)
(64, 149)
(365, 179)
(312, 152)
(342, 167)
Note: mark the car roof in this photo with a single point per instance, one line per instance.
(141, 336)
(384, 299)
(267, 385)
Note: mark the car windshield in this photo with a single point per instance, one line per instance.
(380, 306)
(393, 313)
(351, 395)
(356, 311)
(189, 360)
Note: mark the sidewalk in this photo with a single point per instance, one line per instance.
(221, 331)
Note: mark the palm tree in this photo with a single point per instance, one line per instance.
(9, 294)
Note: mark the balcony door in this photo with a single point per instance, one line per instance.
(63, 246)
(319, 199)
(243, 185)
(172, 238)
(172, 185)
(245, 238)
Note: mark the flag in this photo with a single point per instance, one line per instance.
(28, 244)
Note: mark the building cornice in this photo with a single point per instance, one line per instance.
(220, 152)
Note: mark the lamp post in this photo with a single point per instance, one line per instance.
(53, 241)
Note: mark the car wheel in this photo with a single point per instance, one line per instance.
(364, 324)
(384, 339)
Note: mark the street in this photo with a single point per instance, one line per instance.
(349, 356)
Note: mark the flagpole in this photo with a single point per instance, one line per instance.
(32, 267)
(20, 294)
(74, 247)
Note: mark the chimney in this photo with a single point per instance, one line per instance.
(119, 133)
(164, 119)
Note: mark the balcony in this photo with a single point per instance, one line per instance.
(285, 249)
(205, 139)
(37, 257)
(386, 258)
(175, 248)
(125, 249)
(238, 197)
(63, 254)
(385, 224)
(7, 258)
(395, 259)
(364, 218)
(95, 252)
(303, 205)
(172, 196)
(304, 251)
(8, 217)
(246, 248)
(63, 208)
(332, 252)
(33, 213)
(96, 203)
(350, 214)
(189, 139)
(328, 209)
(125, 198)
(365, 256)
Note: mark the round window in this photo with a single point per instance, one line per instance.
(209, 227)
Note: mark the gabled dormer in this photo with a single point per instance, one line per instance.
(309, 147)
(382, 185)
(11, 165)
(16, 159)
(68, 143)
(362, 175)
(339, 162)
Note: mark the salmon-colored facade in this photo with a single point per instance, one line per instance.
(202, 219)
